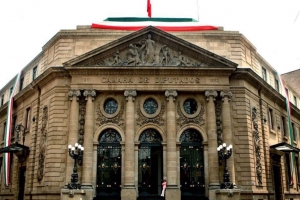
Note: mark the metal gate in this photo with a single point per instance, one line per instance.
(109, 165)
(191, 165)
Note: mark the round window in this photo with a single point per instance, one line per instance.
(190, 106)
(150, 106)
(110, 106)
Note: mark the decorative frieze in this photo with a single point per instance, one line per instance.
(82, 111)
(42, 146)
(219, 124)
(257, 147)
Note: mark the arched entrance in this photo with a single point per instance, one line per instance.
(150, 164)
(109, 165)
(191, 165)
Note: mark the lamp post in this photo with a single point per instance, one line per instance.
(76, 153)
(224, 154)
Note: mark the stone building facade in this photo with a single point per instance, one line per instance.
(147, 106)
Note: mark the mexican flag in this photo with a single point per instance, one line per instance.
(8, 129)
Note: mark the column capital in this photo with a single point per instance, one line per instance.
(169, 93)
(227, 94)
(212, 93)
(128, 93)
(91, 93)
(74, 93)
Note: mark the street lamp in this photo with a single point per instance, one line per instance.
(224, 154)
(76, 153)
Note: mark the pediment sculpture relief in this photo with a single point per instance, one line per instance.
(147, 53)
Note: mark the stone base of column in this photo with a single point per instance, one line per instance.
(128, 193)
(212, 190)
(67, 194)
(228, 194)
(173, 193)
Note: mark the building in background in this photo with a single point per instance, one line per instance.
(149, 105)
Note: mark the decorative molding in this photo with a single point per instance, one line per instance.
(158, 119)
(91, 93)
(169, 93)
(212, 93)
(81, 121)
(115, 119)
(224, 94)
(43, 138)
(219, 124)
(74, 93)
(131, 93)
(198, 119)
(257, 146)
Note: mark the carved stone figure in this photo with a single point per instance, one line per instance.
(117, 59)
(149, 49)
(133, 55)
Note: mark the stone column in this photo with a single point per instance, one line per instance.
(73, 129)
(227, 130)
(213, 162)
(88, 140)
(129, 191)
(173, 190)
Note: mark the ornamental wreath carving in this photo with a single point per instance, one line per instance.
(117, 119)
(147, 52)
(158, 119)
(257, 146)
(43, 138)
(198, 119)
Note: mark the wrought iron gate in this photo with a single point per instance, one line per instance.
(150, 164)
(191, 164)
(109, 165)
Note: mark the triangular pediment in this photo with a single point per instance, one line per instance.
(150, 47)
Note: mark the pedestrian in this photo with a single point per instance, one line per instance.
(164, 186)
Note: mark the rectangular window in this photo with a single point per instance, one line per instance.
(27, 123)
(4, 127)
(287, 92)
(271, 119)
(297, 168)
(283, 126)
(21, 83)
(2, 100)
(276, 85)
(14, 121)
(34, 73)
(264, 73)
(1, 160)
(11, 90)
(294, 132)
(295, 100)
(288, 169)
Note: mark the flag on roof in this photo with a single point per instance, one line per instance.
(149, 8)
(8, 129)
(165, 24)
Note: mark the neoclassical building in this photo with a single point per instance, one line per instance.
(146, 106)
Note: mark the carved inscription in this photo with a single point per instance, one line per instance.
(151, 80)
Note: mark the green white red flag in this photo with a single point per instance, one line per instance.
(8, 129)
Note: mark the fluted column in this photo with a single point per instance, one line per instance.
(73, 129)
(88, 139)
(213, 163)
(129, 190)
(227, 130)
(173, 191)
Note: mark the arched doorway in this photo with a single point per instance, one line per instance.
(109, 165)
(191, 165)
(150, 164)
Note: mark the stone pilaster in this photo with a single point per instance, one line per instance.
(213, 162)
(227, 130)
(129, 190)
(173, 191)
(88, 139)
(73, 129)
